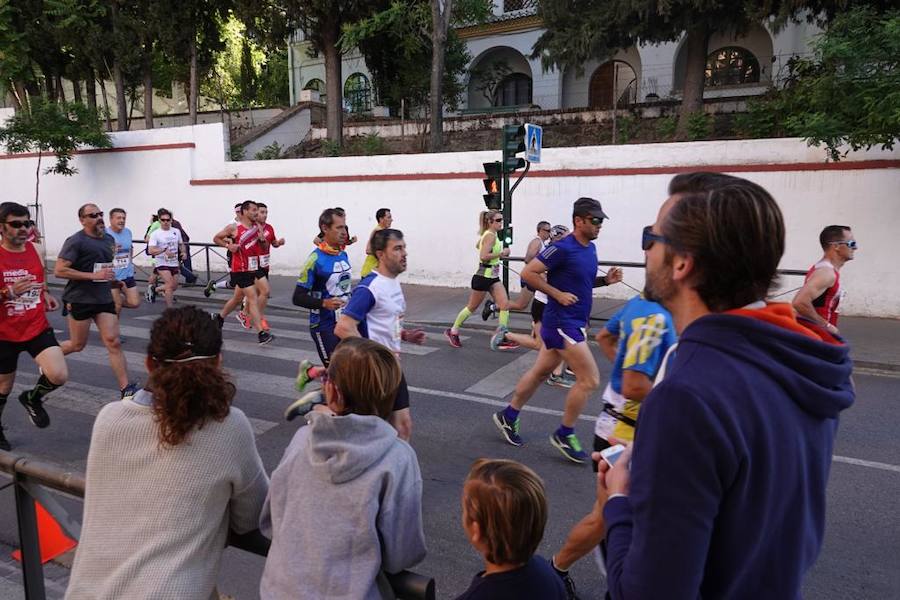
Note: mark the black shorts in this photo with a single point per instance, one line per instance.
(483, 284)
(128, 281)
(81, 312)
(9, 351)
(173, 270)
(243, 279)
(599, 446)
(262, 273)
(537, 311)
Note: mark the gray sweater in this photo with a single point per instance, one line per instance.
(156, 518)
(344, 505)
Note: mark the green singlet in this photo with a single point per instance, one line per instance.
(491, 268)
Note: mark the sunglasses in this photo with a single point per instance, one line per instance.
(96, 215)
(648, 238)
(545, 231)
(595, 221)
(19, 224)
(849, 243)
(165, 220)
(497, 220)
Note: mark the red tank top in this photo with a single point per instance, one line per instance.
(266, 249)
(827, 303)
(247, 256)
(22, 318)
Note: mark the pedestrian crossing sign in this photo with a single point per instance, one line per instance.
(533, 135)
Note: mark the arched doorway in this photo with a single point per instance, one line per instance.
(500, 76)
(614, 79)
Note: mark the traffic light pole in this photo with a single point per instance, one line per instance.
(507, 213)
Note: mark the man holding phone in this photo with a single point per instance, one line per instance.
(722, 494)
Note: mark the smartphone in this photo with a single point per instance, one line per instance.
(612, 454)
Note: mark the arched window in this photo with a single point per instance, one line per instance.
(358, 93)
(316, 85)
(731, 66)
(514, 90)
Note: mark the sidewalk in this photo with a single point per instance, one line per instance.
(875, 342)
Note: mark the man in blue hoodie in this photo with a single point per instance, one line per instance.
(724, 494)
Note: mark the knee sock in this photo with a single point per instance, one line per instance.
(464, 314)
(222, 284)
(504, 319)
(43, 387)
(510, 413)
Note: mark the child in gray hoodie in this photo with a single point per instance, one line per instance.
(345, 502)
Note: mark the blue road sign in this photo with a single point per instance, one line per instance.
(533, 135)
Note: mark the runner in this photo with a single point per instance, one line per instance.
(262, 276)
(124, 288)
(540, 241)
(153, 279)
(486, 280)
(376, 310)
(324, 283)
(348, 241)
(86, 260)
(166, 246)
(224, 283)
(23, 319)
(820, 297)
(571, 267)
(243, 242)
(384, 219)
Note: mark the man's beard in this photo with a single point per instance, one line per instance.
(658, 286)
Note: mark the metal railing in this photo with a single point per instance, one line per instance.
(206, 249)
(30, 479)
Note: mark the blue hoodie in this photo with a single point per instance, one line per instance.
(731, 461)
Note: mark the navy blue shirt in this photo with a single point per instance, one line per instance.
(571, 268)
(535, 579)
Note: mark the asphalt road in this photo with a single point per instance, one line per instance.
(454, 392)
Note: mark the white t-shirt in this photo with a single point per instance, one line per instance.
(378, 304)
(171, 241)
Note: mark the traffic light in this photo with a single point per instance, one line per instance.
(506, 236)
(493, 199)
(513, 143)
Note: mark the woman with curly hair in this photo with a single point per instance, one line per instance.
(170, 470)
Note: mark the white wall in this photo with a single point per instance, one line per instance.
(438, 214)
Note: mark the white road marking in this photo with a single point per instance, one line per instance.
(503, 381)
(866, 463)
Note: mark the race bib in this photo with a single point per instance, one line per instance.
(121, 261)
(264, 261)
(252, 263)
(398, 330)
(100, 266)
(495, 271)
(26, 301)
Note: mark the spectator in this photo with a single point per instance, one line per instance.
(724, 496)
(346, 500)
(504, 512)
(169, 471)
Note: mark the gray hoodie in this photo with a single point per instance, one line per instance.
(345, 503)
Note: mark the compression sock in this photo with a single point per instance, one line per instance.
(510, 413)
(564, 431)
(464, 314)
(222, 284)
(504, 319)
(43, 387)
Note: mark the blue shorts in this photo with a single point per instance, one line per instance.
(556, 338)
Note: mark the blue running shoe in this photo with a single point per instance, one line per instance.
(570, 447)
(510, 430)
(303, 405)
(498, 339)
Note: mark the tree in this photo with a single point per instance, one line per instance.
(856, 60)
(54, 127)
(580, 30)
(487, 80)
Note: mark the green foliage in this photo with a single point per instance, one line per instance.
(331, 148)
(699, 126)
(237, 153)
(666, 126)
(270, 152)
(57, 128)
(627, 128)
(848, 93)
(371, 144)
(489, 78)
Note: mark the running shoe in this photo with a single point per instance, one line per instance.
(488, 311)
(209, 289)
(35, 409)
(559, 381)
(218, 319)
(569, 378)
(306, 372)
(243, 319)
(569, 372)
(453, 338)
(570, 447)
(129, 390)
(265, 337)
(498, 338)
(569, 583)
(509, 430)
(151, 293)
(507, 345)
(4, 443)
(303, 405)
(262, 323)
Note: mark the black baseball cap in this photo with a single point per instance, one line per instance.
(588, 206)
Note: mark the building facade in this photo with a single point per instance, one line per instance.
(501, 75)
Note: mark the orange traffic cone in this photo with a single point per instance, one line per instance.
(51, 538)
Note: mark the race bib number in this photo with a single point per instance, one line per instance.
(252, 263)
(26, 301)
(264, 261)
(100, 266)
(121, 261)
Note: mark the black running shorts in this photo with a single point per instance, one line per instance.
(9, 351)
(82, 312)
(537, 311)
(483, 284)
(243, 279)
